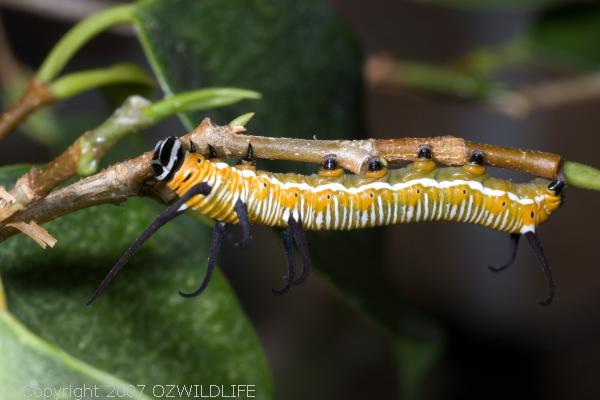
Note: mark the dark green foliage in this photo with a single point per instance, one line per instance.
(295, 53)
(141, 330)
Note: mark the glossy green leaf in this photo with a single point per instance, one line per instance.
(297, 54)
(141, 332)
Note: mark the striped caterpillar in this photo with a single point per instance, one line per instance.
(332, 200)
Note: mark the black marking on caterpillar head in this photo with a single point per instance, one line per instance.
(477, 157)
(213, 256)
(424, 152)
(212, 153)
(168, 157)
(374, 164)
(167, 215)
(330, 162)
(556, 186)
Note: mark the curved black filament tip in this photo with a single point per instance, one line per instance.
(167, 215)
(288, 246)
(514, 245)
(213, 255)
(299, 236)
(538, 250)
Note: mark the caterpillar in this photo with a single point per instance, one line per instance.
(333, 200)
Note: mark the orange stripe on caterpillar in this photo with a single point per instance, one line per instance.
(420, 192)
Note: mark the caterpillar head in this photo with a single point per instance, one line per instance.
(168, 157)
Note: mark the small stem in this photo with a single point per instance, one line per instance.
(95, 143)
(79, 35)
(532, 162)
(75, 83)
(582, 176)
(198, 100)
(36, 95)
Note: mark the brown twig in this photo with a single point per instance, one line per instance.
(131, 178)
(113, 185)
(36, 95)
(94, 144)
(353, 155)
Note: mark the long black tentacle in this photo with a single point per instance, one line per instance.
(167, 215)
(536, 246)
(241, 210)
(213, 255)
(288, 246)
(299, 236)
(514, 245)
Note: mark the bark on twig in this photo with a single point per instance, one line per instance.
(88, 149)
(113, 185)
(354, 154)
(35, 96)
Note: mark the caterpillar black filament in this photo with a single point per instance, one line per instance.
(332, 200)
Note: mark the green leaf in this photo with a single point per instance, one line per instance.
(47, 370)
(141, 332)
(297, 54)
(74, 83)
(568, 36)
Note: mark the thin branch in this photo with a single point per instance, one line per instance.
(135, 114)
(35, 96)
(353, 155)
(132, 178)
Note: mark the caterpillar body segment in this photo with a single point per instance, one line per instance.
(331, 200)
(417, 193)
